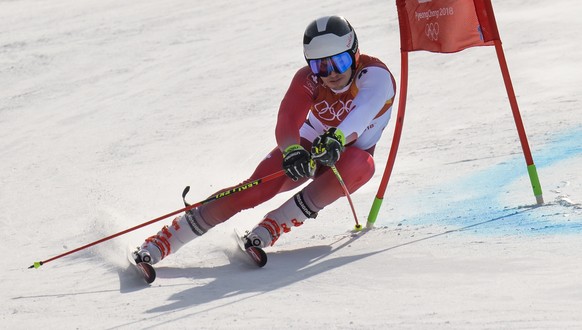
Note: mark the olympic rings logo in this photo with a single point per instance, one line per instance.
(432, 31)
(337, 111)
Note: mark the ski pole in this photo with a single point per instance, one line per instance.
(358, 227)
(219, 195)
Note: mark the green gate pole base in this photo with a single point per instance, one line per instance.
(374, 212)
(535, 183)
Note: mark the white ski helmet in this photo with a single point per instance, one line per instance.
(328, 36)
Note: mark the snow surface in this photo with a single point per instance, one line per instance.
(109, 108)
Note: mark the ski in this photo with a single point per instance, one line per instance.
(146, 270)
(254, 253)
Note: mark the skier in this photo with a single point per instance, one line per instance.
(333, 113)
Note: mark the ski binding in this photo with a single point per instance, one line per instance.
(254, 253)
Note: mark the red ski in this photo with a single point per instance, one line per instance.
(146, 270)
(255, 253)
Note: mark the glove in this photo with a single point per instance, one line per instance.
(327, 147)
(297, 162)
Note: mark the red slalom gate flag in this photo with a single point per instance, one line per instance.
(445, 26)
(448, 26)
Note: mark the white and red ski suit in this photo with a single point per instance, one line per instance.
(361, 110)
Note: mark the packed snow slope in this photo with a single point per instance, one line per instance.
(109, 108)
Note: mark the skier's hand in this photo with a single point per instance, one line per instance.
(328, 146)
(297, 162)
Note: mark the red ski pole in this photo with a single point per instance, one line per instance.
(358, 227)
(219, 195)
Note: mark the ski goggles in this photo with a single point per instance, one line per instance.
(339, 63)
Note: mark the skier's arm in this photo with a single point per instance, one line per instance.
(375, 89)
(294, 108)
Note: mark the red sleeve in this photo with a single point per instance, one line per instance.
(295, 107)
